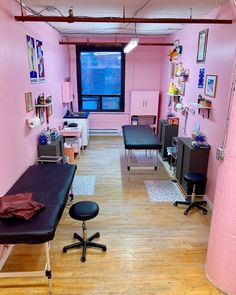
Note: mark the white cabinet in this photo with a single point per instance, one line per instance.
(144, 102)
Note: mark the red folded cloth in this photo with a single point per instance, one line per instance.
(20, 205)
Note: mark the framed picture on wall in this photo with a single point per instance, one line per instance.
(210, 85)
(40, 60)
(202, 46)
(28, 102)
(201, 78)
(32, 59)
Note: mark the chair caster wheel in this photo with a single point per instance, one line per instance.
(83, 259)
(64, 250)
(104, 249)
(185, 213)
(97, 235)
(204, 213)
(175, 204)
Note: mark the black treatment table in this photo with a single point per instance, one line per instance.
(140, 137)
(51, 186)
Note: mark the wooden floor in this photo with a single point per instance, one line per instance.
(153, 249)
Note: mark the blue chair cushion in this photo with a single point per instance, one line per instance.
(193, 177)
(84, 210)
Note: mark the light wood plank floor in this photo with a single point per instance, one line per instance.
(153, 249)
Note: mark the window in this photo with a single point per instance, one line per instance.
(100, 75)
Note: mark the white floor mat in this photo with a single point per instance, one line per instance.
(163, 191)
(83, 185)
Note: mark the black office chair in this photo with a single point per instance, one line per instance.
(83, 211)
(194, 178)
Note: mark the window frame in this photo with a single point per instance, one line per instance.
(92, 48)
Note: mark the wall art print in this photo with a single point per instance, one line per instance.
(201, 78)
(28, 102)
(40, 60)
(202, 46)
(210, 85)
(31, 59)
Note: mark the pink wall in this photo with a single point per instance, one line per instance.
(219, 61)
(143, 72)
(18, 148)
(221, 254)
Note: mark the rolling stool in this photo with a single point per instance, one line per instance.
(194, 178)
(83, 211)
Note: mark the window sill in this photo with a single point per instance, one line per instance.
(109, 113)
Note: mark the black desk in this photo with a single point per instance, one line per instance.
(191, 159)
(55, 148)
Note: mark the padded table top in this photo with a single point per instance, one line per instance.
(140, 137)
(50, 185)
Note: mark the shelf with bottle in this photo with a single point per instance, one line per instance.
(181, 72)
(43, 101)
(203, 104)
(173, 91)
(43, 105)
(173, 95)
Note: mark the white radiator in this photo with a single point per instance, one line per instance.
(104, 132)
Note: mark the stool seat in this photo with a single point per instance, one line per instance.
(84, 210)
(193, 177)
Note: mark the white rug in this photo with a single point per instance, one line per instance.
(163, 191)
(83, 185)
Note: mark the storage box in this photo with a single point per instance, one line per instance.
(75, 142)
(69, 152)
(173, 121)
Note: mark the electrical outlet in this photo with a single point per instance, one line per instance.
(220, 154)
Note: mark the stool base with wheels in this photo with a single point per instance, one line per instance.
(194, 178)
(83, 211)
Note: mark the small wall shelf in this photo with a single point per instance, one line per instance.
(172, 95)
(43, 105)
(200, 107)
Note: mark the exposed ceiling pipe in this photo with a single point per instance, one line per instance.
(111, 44)
(72, 19)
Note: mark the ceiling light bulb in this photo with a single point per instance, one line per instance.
(50, 8)
(131, 45)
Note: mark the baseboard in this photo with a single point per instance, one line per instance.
(209, 203)
(105, 132)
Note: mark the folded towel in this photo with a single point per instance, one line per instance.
(19, 205)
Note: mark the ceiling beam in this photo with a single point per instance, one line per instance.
(72, 19)
(111, 44)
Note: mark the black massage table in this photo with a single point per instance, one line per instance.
(50, 185)
(140, 137)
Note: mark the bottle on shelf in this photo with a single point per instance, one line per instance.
(171, 88)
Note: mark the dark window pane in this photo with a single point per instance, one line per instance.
(101, 76)
(111, 103)
(101, 72)
(90, 103)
